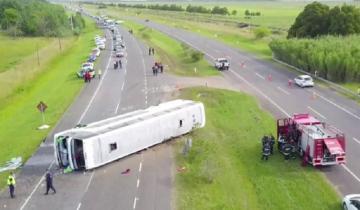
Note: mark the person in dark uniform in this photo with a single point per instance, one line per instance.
(153, 51)
(266, 151)
(149, 50)
(11, 183)
(287, 151)
(120, 64)
(49, 182)
(272, 142)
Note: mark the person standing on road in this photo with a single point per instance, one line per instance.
(120, 64)
(49, 182)
(149, 50)
(153, 51)
(11, 183)
(99, 73)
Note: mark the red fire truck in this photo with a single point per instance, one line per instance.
(317, 143)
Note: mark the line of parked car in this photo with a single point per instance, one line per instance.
(95, 52)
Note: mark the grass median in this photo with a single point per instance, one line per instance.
(57, 86)
(179, 58)
(223, 167)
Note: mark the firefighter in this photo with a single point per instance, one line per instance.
(281, 142)
(266, 151)
(272, 142)
(264, 140)
(287, 151)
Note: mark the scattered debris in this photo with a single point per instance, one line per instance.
(12, 164)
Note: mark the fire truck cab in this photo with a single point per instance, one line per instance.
(317, 143)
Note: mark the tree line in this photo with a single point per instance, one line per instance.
(37, 18)
(318, 19)
(190, 8)
(334, 58)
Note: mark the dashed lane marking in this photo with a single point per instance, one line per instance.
(282, 90)
(135, 200)
(140, 166)
(316, 112)
(78, 207)
(259, 75)
(357, 140)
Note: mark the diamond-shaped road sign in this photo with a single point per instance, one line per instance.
(41, 106)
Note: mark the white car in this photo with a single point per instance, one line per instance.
(304, 81)
(101, 46)
(87, 66)
(222, 64)
(351, 202)
(96, 51)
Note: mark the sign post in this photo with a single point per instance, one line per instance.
(42, 107)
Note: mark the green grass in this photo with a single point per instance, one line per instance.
(57, 86)
(177, 57)
(15, 49)
(224, 170)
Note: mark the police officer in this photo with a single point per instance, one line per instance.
(266, 151)
(49, 182)
(11, 183)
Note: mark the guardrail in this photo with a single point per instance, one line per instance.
(331, 84)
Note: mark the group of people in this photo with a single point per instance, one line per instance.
(287, 146)
(151, 51)
(267, 146)
(118, 64)
(87, 76)
(48, 180)
(157, 68)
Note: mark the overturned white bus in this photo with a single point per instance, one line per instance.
(102, 142)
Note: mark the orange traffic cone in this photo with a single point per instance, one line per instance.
(313, 96)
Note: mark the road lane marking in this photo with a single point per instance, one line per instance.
(122, 87)
(352, 174)
(265, 96)
(98, 87)
(78, 207)
(36, 187)
(316, 112)
(357, 140)
(140, 166)
(259, 75)
(282, 90)
(338, 106)
(135, 200)
(88, 184)
(137, 183)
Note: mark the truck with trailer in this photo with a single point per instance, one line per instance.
(99, 143)
(318, 143)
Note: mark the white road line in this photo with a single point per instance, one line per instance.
(36, 187)
(259, 75)
(122, 87)
(138, 183)
(338, 106)
(316, 112)
(350, 172)
(357, 140)
(135, 200)
(268, 98)
(78, 206)
(282, 90)
(88, 184)
(140, 166)
(98, 87)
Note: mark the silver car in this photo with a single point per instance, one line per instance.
(304, 81)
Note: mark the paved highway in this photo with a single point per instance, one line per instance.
(147, 186)
(268, 82)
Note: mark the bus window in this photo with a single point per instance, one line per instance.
(62, 148)
(79, 154)
(113, 147)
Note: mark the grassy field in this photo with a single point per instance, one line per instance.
(22, 62)
(57, 86)
(224, 170)
(177, 57)
(18, 48)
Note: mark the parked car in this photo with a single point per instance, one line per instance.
(222, 64)
(87, 66)
(351, 202)
(96, 51)
(304, 81)
(82, 72)
(92, 58)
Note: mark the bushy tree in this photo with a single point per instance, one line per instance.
(261, 32)
(234, 12)
(220, 10)
(311, 22)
